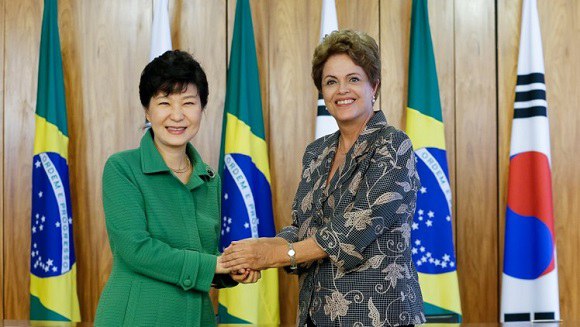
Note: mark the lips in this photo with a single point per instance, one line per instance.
(175, 130)
(344, 102)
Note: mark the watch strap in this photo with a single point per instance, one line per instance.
(292, 254)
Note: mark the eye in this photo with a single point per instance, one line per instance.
(163, 103)
(189, 103)
(355, 79)
(330, 82)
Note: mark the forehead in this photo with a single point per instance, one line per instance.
(341, 65)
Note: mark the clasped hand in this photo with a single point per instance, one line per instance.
(254, 254)
(244, 276)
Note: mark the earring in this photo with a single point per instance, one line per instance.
(374, 100)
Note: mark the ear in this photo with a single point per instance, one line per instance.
(376, 87)
(147, 115)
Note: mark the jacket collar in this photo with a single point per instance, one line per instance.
(357, 152)
(368, 135)
(152, 161)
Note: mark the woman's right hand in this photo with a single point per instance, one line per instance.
(219, 268)
(246, 276)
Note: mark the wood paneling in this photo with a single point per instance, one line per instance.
(509, 21)
(395, 20)
(476, 159)
(362, 15)
(560, 23)
(202, 31)
(22, 21)
(441, 17)
(102, 69)
(2, 159)
(292, 112)
(105, 45)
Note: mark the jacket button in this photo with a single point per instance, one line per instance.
(187, 282)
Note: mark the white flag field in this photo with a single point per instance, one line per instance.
(325, 124)
(530, 271)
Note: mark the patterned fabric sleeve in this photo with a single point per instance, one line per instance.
(383, 195)
(290, 233)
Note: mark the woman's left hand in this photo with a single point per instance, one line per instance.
(246, 276)
(254, 253)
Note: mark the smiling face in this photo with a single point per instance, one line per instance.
(347, 90)
(175, 117)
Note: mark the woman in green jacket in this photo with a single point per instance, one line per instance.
(162, 210)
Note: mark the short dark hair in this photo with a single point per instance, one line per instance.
(359, 46)
(171, 73)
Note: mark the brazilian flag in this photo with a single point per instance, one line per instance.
(53, 281)
(432, 235)
(245, 172)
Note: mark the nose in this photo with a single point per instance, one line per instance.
(343, 88)
(177, 113)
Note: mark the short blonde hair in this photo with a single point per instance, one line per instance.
(359, 46)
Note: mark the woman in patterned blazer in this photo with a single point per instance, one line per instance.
(349, 241)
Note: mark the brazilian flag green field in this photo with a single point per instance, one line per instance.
(53, 288)
(432, 234)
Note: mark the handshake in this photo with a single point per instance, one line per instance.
(244, 259)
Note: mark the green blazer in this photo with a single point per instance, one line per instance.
(164, 238)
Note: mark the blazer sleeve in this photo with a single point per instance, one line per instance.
(130, 240)
(290, 233)
(386, 194)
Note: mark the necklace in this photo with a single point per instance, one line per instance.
(182, 170)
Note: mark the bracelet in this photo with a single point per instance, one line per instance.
(292, 255)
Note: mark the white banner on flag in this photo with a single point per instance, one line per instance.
(160, 30)
(325, 124)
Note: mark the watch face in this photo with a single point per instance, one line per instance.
(291, 253)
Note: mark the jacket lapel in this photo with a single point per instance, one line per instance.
(316, 174)
(357, 153)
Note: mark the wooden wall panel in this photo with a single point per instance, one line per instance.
(441, 17)
(508, 34)
(476, 157)
(106, 45)
(207, 42)
(22, 38)
(2, 15)
(362, 15)
(102, 70)
(560, 24)
(292, 111)
(395, 21)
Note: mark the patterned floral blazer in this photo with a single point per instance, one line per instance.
(362, 219)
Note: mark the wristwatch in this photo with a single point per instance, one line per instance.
(292, 255)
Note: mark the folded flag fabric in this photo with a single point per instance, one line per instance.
(246, 192)
(160, 30)
(53, 282)
(432, 234)
(530, 270)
